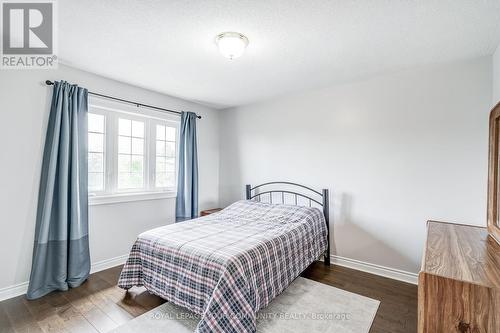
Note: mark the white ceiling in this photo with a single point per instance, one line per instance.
(168, 46)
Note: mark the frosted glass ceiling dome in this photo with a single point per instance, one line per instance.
(231, 45)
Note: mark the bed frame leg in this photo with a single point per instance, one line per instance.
(327, 259)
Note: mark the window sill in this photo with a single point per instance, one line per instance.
(129, 197)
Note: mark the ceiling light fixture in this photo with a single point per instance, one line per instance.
(231, 44)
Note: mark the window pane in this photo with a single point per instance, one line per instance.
(124, 127)
(137, 129)
(130, 180)
(165, 172)
(160, 148)
(160, 132)
(123, 163)
(95, 123)
(161, 179)
(165, 156)
(170, 165)
(170, 179)
(170, 149)
(96, 142)
(96, 181)
(137, 146)
(96, 156)
(124, 180)
(131, 154)
(170, 134)
(124, 145)
(161, 164)
(136, 180)
(137, 164)
(96, 162)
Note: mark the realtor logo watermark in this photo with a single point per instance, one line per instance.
(28, 34)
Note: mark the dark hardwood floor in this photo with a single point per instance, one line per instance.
(99, 305)
(397, 312)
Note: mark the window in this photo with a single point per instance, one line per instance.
(96, 129)
(165, 156)
(130, 154)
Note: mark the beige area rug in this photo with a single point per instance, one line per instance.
(305, 306)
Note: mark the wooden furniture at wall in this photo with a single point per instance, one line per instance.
(210, 211)
(459, 283)
(494, 176)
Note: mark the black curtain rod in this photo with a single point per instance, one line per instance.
(50, 83)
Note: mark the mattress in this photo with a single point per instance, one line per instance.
(228, 265)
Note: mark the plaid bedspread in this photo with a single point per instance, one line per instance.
(227, 266)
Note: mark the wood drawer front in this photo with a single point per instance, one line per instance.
(449, 305)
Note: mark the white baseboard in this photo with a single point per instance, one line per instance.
(13, 291)
(22, 288)
(108, 263)
(387, 272)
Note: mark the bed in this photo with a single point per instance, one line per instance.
(227, 266)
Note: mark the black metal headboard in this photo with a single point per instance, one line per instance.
(323, 201)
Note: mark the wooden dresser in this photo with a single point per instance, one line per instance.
(459, 284)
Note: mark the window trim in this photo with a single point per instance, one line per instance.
(112, 110)
(129, 197)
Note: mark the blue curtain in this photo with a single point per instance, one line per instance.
(61, 251)
(187, 183)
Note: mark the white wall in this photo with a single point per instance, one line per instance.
(396, 150)
(24, 109)
(496, 76)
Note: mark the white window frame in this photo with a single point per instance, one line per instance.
(105, 161)
(112, 111)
